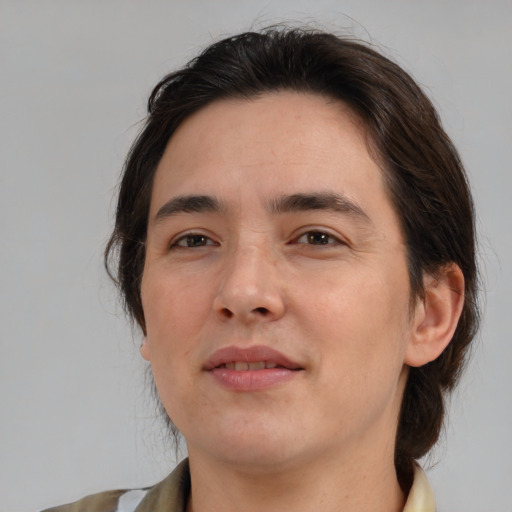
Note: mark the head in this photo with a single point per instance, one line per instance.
(422, 172)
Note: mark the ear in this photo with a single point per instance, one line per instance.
(436, 315)
(144, 349)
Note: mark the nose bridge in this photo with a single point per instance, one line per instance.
(250, 286)
(250, 264)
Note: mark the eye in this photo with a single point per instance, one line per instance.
(192, 240)
(318, 238)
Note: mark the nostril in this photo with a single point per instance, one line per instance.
(227, 313)
(262, 311)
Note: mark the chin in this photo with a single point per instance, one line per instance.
(253, 447)
(261, 460)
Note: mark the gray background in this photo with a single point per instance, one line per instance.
(75, 417)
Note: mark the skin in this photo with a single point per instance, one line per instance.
(328, 288)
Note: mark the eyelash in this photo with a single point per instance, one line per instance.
(183, 241)
(313, 237)
(323, 238)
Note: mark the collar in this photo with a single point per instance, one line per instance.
(172, 493)
(421, 498)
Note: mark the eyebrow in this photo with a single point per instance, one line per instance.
(329, 201)
(189, 204)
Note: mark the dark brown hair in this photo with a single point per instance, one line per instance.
(425, 179)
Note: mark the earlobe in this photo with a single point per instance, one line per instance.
(436, 315)
(144, 349)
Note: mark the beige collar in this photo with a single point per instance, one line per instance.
(421, 498)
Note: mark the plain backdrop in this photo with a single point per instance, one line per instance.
(75, 413)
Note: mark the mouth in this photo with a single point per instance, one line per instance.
(258, 357)
(244, 366)
(252, 368)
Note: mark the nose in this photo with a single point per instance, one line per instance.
(251, 288)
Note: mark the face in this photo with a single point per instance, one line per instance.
(275, 288)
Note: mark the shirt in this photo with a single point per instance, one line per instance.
(171, 495)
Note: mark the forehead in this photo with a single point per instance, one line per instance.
(274, 144)
(286, 123)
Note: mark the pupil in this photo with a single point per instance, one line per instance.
(318, 238)
(195, 241)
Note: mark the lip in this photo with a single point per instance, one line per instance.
(251, 380)
(249, 355)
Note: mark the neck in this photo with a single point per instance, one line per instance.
(334, 484)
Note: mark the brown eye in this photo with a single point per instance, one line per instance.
(193, 240)
(317, 238)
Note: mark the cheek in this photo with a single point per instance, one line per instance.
(175, 313)
(362, 341)
(174, 308)
(361, 321)
(171, 327)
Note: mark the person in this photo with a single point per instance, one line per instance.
(295, 238)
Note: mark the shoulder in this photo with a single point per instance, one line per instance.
(170, 495)
(110, 501)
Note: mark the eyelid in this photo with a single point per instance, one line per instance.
(338, 240)
(191, 233)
